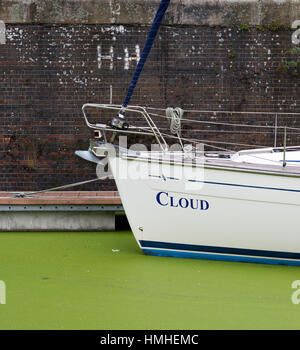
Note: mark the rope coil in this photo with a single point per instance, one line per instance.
(174, 115)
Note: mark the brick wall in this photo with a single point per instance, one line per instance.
(49, 71)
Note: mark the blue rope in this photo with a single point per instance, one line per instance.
(148, 45)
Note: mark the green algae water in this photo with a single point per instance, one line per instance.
(103, 281)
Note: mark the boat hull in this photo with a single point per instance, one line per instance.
(208, 212)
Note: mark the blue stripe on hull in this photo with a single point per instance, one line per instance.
(277, 258)
(246, 186)
(220, 257)
(232, 184)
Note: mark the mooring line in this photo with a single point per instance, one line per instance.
(25, 194)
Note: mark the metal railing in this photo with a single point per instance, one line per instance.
(151, 130)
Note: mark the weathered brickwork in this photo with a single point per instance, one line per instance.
(49, 71)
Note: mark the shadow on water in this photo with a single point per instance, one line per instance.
(121, 221)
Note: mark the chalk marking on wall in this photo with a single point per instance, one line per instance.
(138, 53)
(135, 57)
(115, 10)
(126, 58)
(109, 57)
(110, 94)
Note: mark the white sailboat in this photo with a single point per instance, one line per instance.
(240, 206)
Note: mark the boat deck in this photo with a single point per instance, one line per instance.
(276, 169)
(221, 163)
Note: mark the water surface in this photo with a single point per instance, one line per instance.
(102, 281)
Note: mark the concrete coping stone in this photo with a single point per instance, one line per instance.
(141, 12)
